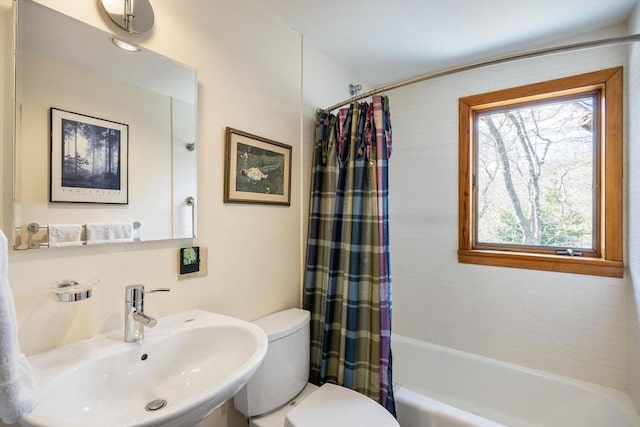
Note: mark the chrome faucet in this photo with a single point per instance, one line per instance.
(135, 319)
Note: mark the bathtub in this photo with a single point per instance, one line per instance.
(437, 386)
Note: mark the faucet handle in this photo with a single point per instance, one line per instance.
(150, 291)
(135, 293)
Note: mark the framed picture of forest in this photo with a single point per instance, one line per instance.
(89, 159)
(257, 170)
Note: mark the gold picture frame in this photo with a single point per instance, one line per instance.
(257, 170)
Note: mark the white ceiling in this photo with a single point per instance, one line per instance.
(382, 41)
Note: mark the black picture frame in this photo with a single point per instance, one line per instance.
(189, 260)
(88, 159)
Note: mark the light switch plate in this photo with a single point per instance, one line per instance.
(202, 272)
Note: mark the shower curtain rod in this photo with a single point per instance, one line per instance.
(516, 57)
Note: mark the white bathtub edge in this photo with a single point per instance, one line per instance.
(617, 397)
(418, 402)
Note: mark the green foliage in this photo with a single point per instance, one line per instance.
(508, 231)
(563, 226)
(559, 227)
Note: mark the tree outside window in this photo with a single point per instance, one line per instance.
(535, 174)
(541, 176)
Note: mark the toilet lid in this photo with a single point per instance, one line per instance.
(335, 406)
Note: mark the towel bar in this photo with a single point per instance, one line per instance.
(33, 228)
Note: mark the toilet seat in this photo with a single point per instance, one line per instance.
(335, 406)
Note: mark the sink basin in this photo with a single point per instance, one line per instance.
(194, 361)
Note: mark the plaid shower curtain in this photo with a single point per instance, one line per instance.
(347, 284)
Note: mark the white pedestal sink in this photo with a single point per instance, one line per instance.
(194, 361)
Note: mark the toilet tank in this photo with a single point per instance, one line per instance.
(285, 369)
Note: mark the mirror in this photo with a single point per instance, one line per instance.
(102, 135)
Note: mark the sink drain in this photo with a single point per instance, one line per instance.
(155, 405)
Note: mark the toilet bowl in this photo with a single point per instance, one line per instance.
(278, 393)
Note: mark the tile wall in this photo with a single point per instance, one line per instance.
(568, 324)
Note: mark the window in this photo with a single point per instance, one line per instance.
(541, 176)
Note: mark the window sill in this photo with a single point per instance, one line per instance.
(546, 262)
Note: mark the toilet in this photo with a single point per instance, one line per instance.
(279, 395)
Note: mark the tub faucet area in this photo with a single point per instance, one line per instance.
(135, 319)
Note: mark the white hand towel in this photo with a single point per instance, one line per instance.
(65, 235)
(109, 233)
(18, 390)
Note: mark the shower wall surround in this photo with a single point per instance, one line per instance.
(568, 324)
(633, 207)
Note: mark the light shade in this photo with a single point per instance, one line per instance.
(124, 45)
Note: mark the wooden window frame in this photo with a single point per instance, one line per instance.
(606, 260)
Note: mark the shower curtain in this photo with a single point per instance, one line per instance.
(347, 284)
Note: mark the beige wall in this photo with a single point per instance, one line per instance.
(250, 72)
(254, 251)
(6, 108)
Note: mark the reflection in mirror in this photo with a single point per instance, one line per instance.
(124, 123)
